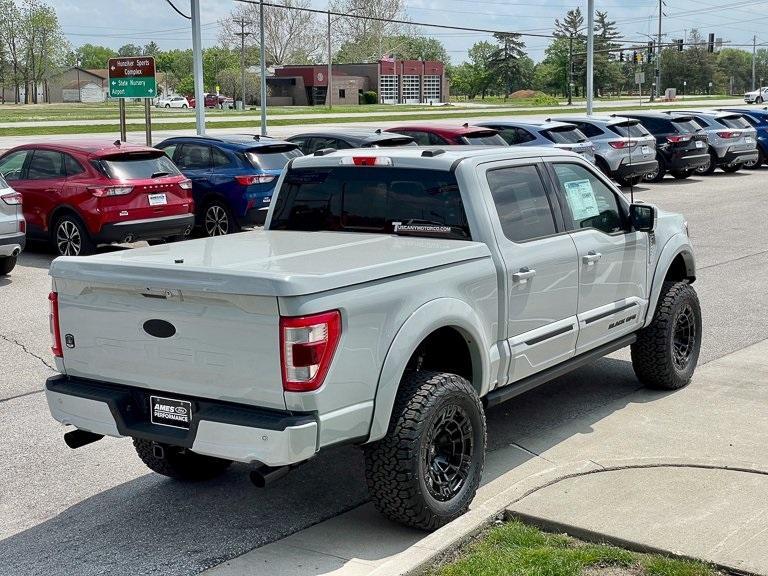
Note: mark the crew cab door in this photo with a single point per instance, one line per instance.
(540, 267)
(612, 259)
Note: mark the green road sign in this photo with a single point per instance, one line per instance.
(132, 77)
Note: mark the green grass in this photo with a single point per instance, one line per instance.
(515, 549)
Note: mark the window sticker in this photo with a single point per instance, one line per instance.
(581, 199)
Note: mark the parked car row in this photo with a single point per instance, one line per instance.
(77, 195)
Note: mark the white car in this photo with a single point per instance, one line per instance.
(12, 227)
(172, 102)
(756, 96)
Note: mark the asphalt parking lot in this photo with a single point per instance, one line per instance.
(99, 510)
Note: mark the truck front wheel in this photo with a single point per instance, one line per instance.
(426, 470)
(178, 463)
(667, 350)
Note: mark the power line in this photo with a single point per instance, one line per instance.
(179, 12)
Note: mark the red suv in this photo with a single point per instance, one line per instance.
(448, 134)
(84, 193)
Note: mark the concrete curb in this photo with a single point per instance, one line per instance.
(446, 540)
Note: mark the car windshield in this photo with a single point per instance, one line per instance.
(734, 122)
(484, 139)
(383, 200)
(272, 157)
(629, 129)
(686, 125)
(137, 166)
(565, 135)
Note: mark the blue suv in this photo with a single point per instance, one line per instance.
(758, 118)
(233, 177)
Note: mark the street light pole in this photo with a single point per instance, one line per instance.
(570, 70)
(590, 53)
(197, 65)
(658, 53)
(263, 58)
(328, 96)
(242, 35)
(754, 49)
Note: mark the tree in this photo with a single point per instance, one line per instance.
(402, 46)
(43, 45)
(368, 37)
(129, 50)
(215, 60)
(607, 70)
(150, 49)
(504, 62)
(571, 25)
(10, 34)
(92, 56)
(290, 36)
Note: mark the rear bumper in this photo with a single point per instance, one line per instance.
(148, 229)
(254, 217)
(12, 244)
(690, 162)
(222, 429)
(636, 169)
(732, 158)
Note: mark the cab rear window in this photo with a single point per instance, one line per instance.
(136, 166)
(382, 200)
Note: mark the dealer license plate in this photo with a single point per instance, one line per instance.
(749, 140)
(157, 199)
(699, 144)
(170, 412)
(646, 150)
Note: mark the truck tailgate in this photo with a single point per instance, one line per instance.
(188, 343)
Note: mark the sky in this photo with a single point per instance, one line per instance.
(114, 23)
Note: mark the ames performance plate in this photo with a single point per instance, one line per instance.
(170, 412)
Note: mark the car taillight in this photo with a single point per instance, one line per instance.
(366, 161)
(102, 191)
(185, 184)
(12, 199)
(307, 346)
(53, 321)
(620, 144)
(22, 226)
(727, 134)
(678, 138)
(255, 179)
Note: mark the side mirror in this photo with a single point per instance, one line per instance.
(642, 217)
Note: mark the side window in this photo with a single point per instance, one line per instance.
(524, 136)
(421, 138)
(589, 202)
(194, 157)
(46, 165)
(170, 150)
(509, 134)
(72, 166)
(12, 166)
(436, 139)
(521, 203)
(341, 144)
(220, 159)
(301, 143)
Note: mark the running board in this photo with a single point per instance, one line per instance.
(511, 390)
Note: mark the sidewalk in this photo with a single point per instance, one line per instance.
(684, 472)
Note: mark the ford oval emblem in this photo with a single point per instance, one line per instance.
(159, 328)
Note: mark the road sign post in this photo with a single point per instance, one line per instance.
(132, 77)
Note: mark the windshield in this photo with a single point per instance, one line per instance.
(565, 135)
(734, 122)
(272, 157)
(686, 125)
(484, 139)
(629, 130)
(381, 200)
(137, 166)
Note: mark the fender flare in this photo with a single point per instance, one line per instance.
(431, 316)
(678, 245)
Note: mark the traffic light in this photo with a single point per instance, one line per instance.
(711, 43)
(621, 56)
(650, 49)
(680, 44)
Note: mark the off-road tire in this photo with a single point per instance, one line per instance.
(681, 174)
(657, 176)
(653, 353)
(179, 463)
(396, 466)
(7, 264)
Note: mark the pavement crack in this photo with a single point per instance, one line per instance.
(724, 262)
(597, 464)
(531, 452)
(29, 353)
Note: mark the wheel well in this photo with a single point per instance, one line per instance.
(444, 350)
(60, 211)
(679, 270)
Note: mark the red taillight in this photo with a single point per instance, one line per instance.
(620, 144)
(367, 160)
(22, 226)
(676, 139)
(185, 184)
(12, 199)
(728, 135)
(255, 179)
(307, 346)
(53, 321)
(103, 191)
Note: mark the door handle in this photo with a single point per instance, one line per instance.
(523, 275)
(591, 257)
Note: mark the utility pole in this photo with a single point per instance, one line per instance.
(242, 35)
(263, 58)
(590, 53)
(658, 52)
(754, 49)
(197, 67)
(570, 70)
(328, 97)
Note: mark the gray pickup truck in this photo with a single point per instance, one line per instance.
(393, 295)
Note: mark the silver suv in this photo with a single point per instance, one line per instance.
(624, 149)
(557, 134)
(12, 227)
(732, 140)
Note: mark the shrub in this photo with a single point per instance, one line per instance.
(370, 97)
